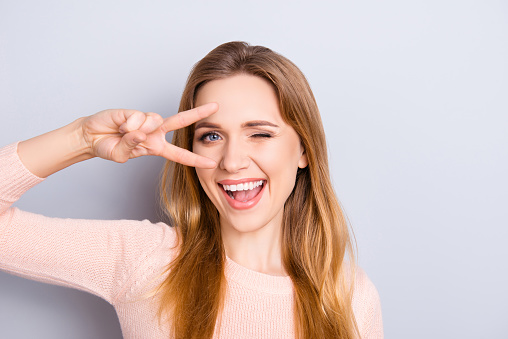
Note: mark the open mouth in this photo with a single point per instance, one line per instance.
(244, 192)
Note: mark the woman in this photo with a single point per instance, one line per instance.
(259, 241)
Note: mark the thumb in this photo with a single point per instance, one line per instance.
(123, 151)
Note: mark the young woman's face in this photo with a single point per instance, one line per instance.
(257, 152)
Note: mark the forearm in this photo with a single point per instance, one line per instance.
(50, 152)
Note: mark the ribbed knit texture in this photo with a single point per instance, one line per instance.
(121, 261)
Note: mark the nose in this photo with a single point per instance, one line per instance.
(234, 157)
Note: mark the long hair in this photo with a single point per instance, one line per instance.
(315, 235)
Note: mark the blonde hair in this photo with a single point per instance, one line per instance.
(193, 292)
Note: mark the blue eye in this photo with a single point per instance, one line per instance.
(210, 137)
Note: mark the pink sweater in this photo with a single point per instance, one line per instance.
(122, 260)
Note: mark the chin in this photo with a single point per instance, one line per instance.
(242, 226)
(250, 223)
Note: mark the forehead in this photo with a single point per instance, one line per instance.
(241, 98)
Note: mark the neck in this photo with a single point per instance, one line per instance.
(258, 250)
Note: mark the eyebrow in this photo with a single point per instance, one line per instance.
(254, 123)
(206, 125)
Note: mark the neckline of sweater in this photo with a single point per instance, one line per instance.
(257, 281)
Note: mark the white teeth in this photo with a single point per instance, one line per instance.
(246, 186)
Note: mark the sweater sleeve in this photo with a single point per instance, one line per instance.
(97, 256)
(367, 307)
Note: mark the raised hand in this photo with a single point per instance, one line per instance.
(120, 134)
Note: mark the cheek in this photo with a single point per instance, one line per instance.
(280, 162)
(213, 153)
(283, 154)
(204, 176)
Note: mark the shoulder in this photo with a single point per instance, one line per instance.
(365, 292)
(146, 235)
(147, 250)
(367, 306)
(144, 239)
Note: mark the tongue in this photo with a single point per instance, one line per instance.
(244, 196)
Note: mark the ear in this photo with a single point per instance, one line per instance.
(303, 162)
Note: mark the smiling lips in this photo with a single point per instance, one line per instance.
(242, 194)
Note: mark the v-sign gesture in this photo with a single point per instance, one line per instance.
(121, 134)
(113, 134)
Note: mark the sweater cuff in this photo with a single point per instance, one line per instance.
(15, 178)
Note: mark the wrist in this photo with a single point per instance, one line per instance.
(50, 152)
(79, 147)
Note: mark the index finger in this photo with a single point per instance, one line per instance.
(189, 117)
(186, 157)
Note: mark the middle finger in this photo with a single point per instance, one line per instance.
(189, 117)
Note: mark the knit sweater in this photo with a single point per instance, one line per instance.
(122, 261)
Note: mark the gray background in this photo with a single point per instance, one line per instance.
(413, 95)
